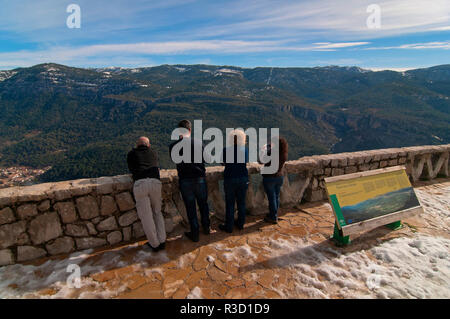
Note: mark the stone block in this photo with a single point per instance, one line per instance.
(25, 253)
(351, 169)
(126, 233)
(6, 216)
(343, 162)
(128, 218)
(138, 230)
(23, 239)
(44, 206)
(335, 162)
(314, 195)
(107, 224)
(104, 185)
(393, 162)
(123, 183)
(383, 164)
(67, 212)
(108, 205)
(364, 167)
(337, 171)
(27, 211)
(6, 257)
(63, 245)
(10, 233)
(368, 159)
(114, 237)
(125, 201)
(76, 230)
(402, 160)
(351, 160)
(91, 229)
(314, 183)
(96, 220)
(44, 228)
(87, 207)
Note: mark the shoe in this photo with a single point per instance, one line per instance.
(207, 231)
(161, 246)
(191, 236)
(236, 223)
(153, 248)
(270, 220)
(223, 227)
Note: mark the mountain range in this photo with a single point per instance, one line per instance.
(82, 122)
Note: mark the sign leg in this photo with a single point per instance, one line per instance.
(338, 238)
(395, 225)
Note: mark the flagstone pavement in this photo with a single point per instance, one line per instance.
(243, 264)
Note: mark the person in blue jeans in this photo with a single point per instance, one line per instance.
(191, 179)
(272, 182)
(236, 181)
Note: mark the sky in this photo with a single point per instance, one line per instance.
(377, 35)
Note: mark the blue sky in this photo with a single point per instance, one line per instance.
(248, 33)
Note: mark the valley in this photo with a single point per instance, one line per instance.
(82, 122)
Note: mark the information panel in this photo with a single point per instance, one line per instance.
(364, 196)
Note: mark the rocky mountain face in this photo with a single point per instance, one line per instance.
(82, 122)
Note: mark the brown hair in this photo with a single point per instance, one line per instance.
(185, 124)
(283, 149)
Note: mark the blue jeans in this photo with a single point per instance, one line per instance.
(235, 192)
(192, 190)
(272, 187)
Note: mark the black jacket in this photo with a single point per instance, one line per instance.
(143, 162)
(190, 170)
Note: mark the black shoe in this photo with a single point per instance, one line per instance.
(161, 246)
(270, 220)
(236, 223)
(191, 236)
(207, 231)
(223, 227)
(153, 248)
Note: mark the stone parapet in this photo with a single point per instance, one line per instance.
(58, 218)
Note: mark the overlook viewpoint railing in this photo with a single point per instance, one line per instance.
(59, 218)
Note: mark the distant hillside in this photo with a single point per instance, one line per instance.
(83, 121)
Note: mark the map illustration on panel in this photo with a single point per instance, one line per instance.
(367, 197)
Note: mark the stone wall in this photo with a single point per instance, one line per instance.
(59, 218)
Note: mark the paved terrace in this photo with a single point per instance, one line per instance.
(294, 259)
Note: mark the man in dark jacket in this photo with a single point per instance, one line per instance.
(192, 182)
(143, 163)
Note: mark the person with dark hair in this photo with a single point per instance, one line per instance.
(235, 182)
(143, 163)
(272, 182)
(191, 179)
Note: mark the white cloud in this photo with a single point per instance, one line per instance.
(344, 19)
(446, 28)
(92, 54)
(417, 46)
(328, 45)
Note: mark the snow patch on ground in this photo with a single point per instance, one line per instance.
(405, 267)
(195, 293)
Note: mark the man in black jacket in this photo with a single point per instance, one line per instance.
(191, 179)
(143, 163)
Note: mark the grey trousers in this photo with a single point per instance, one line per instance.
(147, 193)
